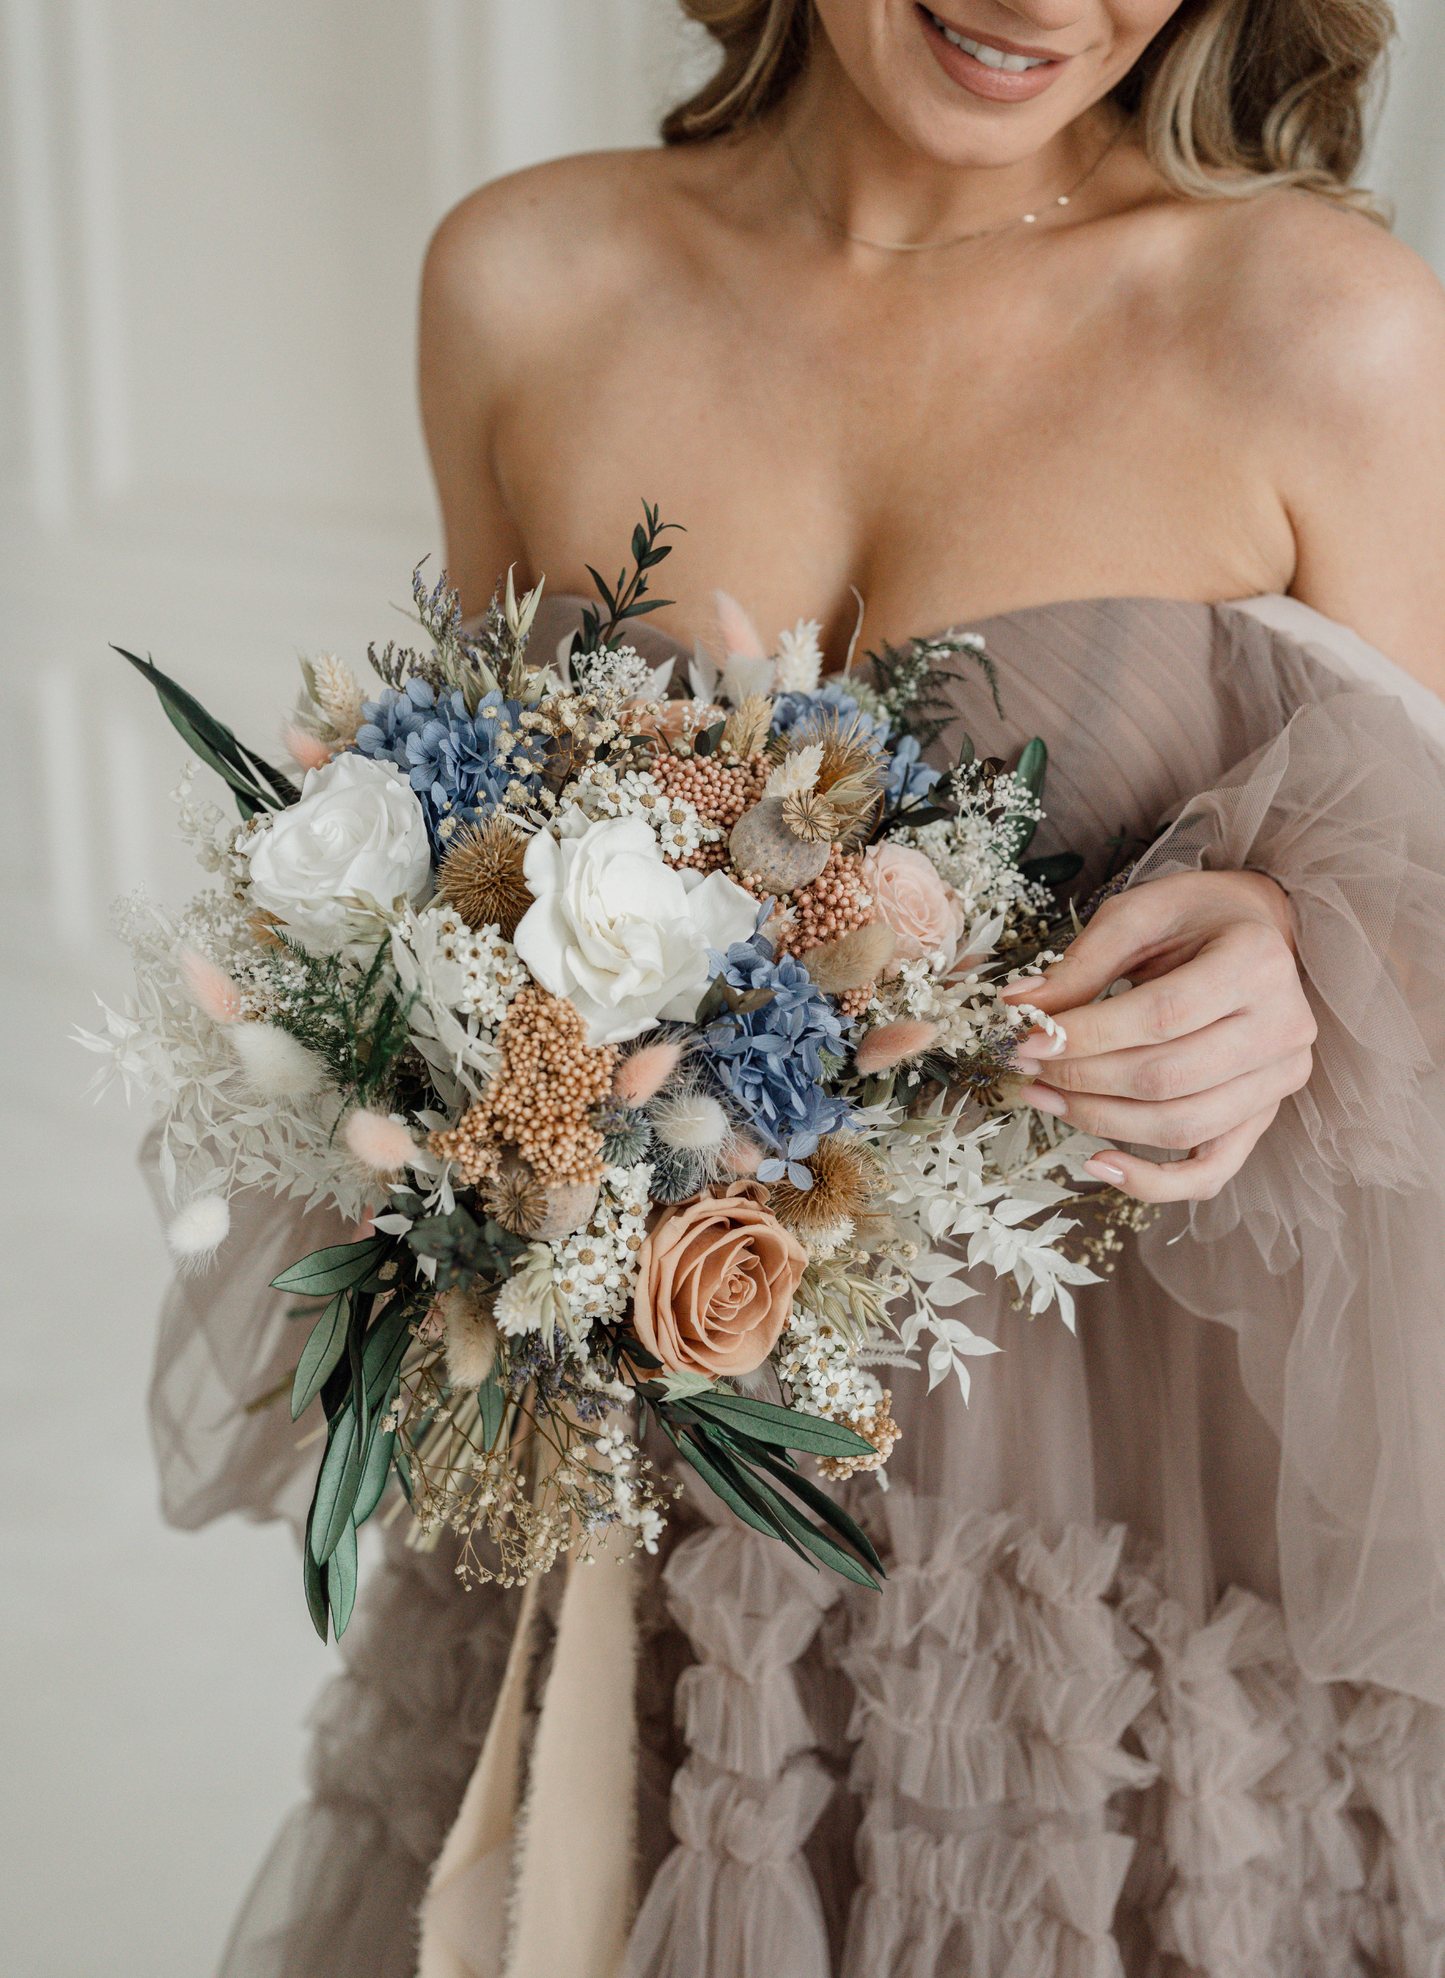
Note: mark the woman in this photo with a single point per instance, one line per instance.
(970, 311)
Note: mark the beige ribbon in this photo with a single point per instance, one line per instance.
(548, 1889)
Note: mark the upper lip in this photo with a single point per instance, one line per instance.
(997, 40)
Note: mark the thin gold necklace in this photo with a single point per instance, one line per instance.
(954, 240)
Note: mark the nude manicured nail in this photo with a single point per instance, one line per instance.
(1105, 1170)
(1044, 1099)
(1027, 985)
(1041, 1044)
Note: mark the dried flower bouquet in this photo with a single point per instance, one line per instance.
(649, 1032)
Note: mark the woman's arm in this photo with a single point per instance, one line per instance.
(1340, 332)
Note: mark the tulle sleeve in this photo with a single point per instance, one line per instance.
(220, 1392)
(1327, 1251)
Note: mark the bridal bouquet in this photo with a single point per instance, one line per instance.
(648, 1031)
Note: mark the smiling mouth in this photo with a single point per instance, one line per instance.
(985, 52)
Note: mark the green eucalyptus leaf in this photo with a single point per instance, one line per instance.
(374, 1472)
(313, 1579)
(336, 1268)
(336, 1487)
(492, 1403)
(1033, 764)
(321, 1354)
(785, 1428)
(818, 1501)
(1057, 870)
(341, 1580)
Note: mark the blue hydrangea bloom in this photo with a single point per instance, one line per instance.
(830, 698)
(449, 755)
(905, 778)
(770, 1060)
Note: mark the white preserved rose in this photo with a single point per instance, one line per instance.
(354, 847)
(619, 932)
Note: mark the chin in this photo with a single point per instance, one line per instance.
(938, 99)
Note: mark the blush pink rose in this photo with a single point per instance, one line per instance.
(910, 897)
(715, 1283)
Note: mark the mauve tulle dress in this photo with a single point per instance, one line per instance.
(1156, 1682)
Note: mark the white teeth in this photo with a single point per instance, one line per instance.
(992, 58)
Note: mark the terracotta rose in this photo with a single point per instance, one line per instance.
(715, 1283)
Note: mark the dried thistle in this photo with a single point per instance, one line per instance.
(482, 876)
(848, 1181)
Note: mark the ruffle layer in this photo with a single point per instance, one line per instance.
(396, 1738)
(993, 1691)
(736, 1897)
(1064, 1776)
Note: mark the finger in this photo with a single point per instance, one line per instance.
(1190, 1122)
(1158, 1073)
(1187, 999)
(1199, 1179)
(1123, 931)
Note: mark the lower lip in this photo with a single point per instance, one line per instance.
(998, 85)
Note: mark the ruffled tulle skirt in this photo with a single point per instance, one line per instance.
(1022, 1760)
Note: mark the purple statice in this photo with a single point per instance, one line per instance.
(458, 763)
(770, 1060)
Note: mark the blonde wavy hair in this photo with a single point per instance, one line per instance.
(1232, 97)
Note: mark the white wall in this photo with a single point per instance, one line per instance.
(211, 220)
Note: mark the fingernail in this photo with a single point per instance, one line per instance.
(1105, 1170)
(1026, 985)
(1041, 1044)
(1044, 1099)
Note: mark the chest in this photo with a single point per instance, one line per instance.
(948, 448)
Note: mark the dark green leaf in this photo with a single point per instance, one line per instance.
(341, 1580)
(336, 1487)
(374, 1472)
(493, 1406)
(608, 596)
(313, 1578)
(1057, 870)
(702, 1457)
(211, 739)
(337, 1268)
(824, 1548)
(1033, 764)
(641, 606)
(386, 1346)
(322, 1352)
(360, 1406)
(819, 1501)
(785, 1428)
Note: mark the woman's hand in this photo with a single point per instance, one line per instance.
(1197, 1055)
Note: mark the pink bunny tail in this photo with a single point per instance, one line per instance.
(739, 634)
(305, 750)
(642, 1075)
(742, 1156)
(210, 988)
(379, 1143)
(891, 1043)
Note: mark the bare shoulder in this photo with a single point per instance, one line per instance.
(1335, 333)
(1330, 321)
(556, 239)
